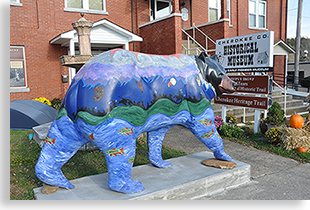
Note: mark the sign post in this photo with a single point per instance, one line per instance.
(250, 53)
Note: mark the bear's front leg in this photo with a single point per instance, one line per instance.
(154, 142)
(204, 129)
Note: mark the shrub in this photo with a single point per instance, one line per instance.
(56, 103)
(275, 115)
(231, 119)
(247, 131)
(230, 131)
(273, 135)
(305, 82)
(43, 100)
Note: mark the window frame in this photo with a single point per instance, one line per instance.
(257, 14)
(15, 3)
(23, 88)
(218, 8)
(85, 8)
(229, 11)
(155, 8)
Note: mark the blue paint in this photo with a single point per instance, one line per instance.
(133, 83)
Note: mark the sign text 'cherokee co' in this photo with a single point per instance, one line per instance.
(252, 53)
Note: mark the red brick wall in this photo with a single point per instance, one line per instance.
(276, 19)
(37, 22)
(278, 71)
(200, 12)
(163, 37)
(34, 24)
(29, 28)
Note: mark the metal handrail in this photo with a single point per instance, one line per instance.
(193, 39)
(204, 34)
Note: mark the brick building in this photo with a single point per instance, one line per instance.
(41, 32)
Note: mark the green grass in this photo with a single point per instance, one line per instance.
(258, 141)
(24, 154)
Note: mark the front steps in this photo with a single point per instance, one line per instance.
(192, 49)
(292, 105)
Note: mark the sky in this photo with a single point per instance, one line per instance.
(292, 18)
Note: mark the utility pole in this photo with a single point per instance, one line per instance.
(297, 44)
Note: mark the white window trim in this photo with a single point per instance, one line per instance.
(155, 5)
(86, 9)
(257, 15)
(218, 10)
(161, 19)
(25, 88)
(230, 24)
(16, 3)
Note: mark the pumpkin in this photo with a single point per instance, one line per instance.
(301, 149)
(296, 121)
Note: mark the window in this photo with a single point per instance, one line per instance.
(17, 67)
(214, 10)
(257, 14)
(16, 3)
(88, 6)
(160, 8)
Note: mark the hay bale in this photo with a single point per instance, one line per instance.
(293, 138)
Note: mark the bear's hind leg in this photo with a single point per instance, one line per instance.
(61, 144)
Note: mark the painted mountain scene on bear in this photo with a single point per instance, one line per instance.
(123, 78)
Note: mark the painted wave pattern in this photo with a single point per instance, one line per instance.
(137, 116)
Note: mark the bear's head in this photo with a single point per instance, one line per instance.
(215, 74)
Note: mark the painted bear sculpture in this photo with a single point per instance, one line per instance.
(120, 94)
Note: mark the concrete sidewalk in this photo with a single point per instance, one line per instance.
(273, 177)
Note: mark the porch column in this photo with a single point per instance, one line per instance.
(175, 6)
(126, 46)
(224, 9)
(72, 71)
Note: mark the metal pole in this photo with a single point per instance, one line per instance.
(224, 113)
(285, 83)
(297, 54)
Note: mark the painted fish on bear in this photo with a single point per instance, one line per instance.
(128, 93)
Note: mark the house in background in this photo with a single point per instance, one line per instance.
(41, 32)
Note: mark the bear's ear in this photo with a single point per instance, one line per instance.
(202, 56)
(214, 57)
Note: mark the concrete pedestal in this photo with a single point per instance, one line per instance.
(188, 178)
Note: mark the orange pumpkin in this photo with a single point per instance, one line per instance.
(301, 149)
(296, 121)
